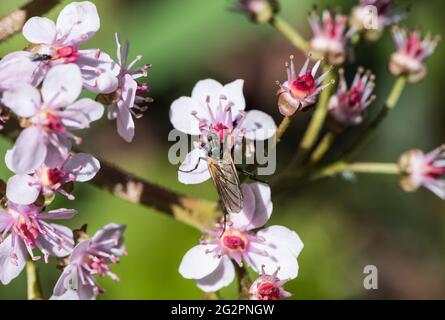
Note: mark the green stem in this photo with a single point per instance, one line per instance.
(316, 124)
(34, 288)
(358, 167)
(323, 147)
(290, 33)
(244, 282)
(285, 123)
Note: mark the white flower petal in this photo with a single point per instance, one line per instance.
(223, 275)
(62, 85)
(8, 270)
(259, 125)
(234, 93)
(20, 189)
(78, 22)
(181, 115)
(194, 176)
(207, 88)
(24, 100)
(39, 30)
(197, 264)
(84, 166)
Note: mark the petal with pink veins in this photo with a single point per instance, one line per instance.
(62, 85)
(9, 269)
(22, 189)
(195, 165)
(84, 166)
(78, 22)
(40, 30)
(46, 243)
(223, 275)
(59, 214)
(197, 263)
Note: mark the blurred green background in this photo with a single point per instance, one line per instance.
(344, 225)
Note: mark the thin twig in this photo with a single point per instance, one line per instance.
(13, 22)
(244, 282)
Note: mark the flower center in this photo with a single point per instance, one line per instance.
(99, 267)
(354, 96)
(68, 54)
(435, 171)
(269, 291)
(51, 122)
(28, 232)
(220, 129)
(303, 86)
(51, 176)
(235, 242)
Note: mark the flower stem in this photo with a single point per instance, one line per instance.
(244, 282)
(34, 288)
(316, 124)
(323, 147)
(358, 167)
(290, 33)
(285, 123)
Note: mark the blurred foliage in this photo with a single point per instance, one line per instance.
(344, 225)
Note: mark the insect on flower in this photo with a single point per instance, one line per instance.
(222, 171)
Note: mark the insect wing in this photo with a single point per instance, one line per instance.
(225, 178)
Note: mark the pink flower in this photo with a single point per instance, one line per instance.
(259, 11)
(423, 170)
(76, 23)
(48, 117)
(209, 263)
(302, 90)
(89, 258)
(268, 287)
(218, 109)
(348, 104)
(24, 189)
(330, 37)
(412, 51)
(28, 230)
(17, 68)
(128, 99)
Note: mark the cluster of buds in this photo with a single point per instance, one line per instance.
(412, 51)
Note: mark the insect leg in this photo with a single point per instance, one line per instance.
(196, 166)
(250, 175)
(225, 213)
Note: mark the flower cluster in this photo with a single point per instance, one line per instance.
(41, 88)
